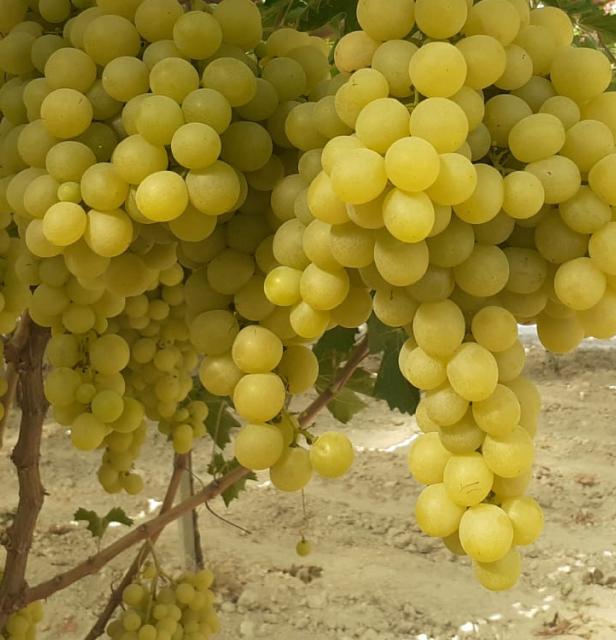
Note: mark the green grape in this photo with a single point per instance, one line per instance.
(484, 273)
(232, 78)
(463, 436)
(87, 432)
(486, 533)
(441, 19)
(536, 137)
(173, 77)
(439, 328)
(467, 478)
(101, 48)
(135, 158)
(354, 51)
(510, 362)
(64, 223)
(580, 73)
(158, 118)
(109, 354)
(412, 164)
(409, 217)
(363, 87)
(69, 192)
(438, 69)
(293, 470)
(444, 406)
(108, 234)
(197, 35)
(303, 548)
(486, 60)
(154, 19)
(498, 414)
(258, 445)
(441, 122)
(323, 202)
(240, 22)
(107, 406)
(162, 196)
(66, 113)
(523, 194)
(299, 368)
(125, 77)
(396, 22)
(282, 286)
(436, 513)
(527, 519)
(565, 109)
(381, 122)
(601, 248)
(559, 176)
(400, 263)
(518, 70)
(195, 145)
(501, 574)
(323, 290)
(427, 458)
(213, 190)
(510, 455)
(102, 188)
(486, 200)
(511, 487)
(256, 350)
(259, 397)
(421, 369)
(307, 322)
(287, 77)
(351, 245)
(61, 384)
(457, 180)
(331, 455)
(599, 179)
(587, 142)
(579, 284)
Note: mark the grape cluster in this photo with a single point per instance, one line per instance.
(21, 625)
(182, 608)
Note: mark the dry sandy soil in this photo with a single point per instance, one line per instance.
(372, 574)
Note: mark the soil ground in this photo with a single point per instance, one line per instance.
(372, 574)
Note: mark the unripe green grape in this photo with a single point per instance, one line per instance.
(246, 145)
(456, 182)
(69, 192)
(463, 436)
(258, 445)
(502, 112)
(412, 164)
(101, 48)
(250, 301)
(78, 318)
(444, 406)
(299, 368)
(259, 396)
(68, 160)
(135, 158)
(437, 69)
(559, 176)
(381, 122)
(213, 190)
(61, 384)
(501, 574)
(87, 432)
(363, 87)
(66, 113)
(323, 290)
(439, 328)
(560, 335)
(496, 18)
(232, 78)
(108, 234)
(102, 188)
(486, 60)
(400, 263)
(579, 284)
(557, 242)
(287, 77)
(125, 77)
(409, 217)
(486, 533)
(332, 454)
(292, 471)
(421, 369)
(436, 513)
(256, 350)
(229, 271)
(307, 322)
(427, 458)
(101, 139)
(354, 51)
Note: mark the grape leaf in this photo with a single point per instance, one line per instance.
(393, 387)
(221, 466)
(338, 340)
(219, 421)
(381, 337)
(361, 381)
(345, 405)
(321, 12)
(97, 525)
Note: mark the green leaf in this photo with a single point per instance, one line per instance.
(221, 466)
(97, 525)
(381, 337)
(338, 340)
(393, 387)
(345, 405)
(219, 421)
(361, 381)
(336, 12)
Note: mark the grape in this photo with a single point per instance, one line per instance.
(101, 48)
(303, 548)
(427, 458)
(580, 73)
(87, 432)
(579, 284)
(436, 513)
(439, 328)
(487, 198)
(158, 118)
(109, 354)
(496, 18)
(526, 517)
(258, 445)
(197, 35)
(64, 223)
(486, 533)
(400, 263)
(559, 176)
(259, 396)
(510, 455)
(484, 273)
(299, 368)
(381, 122)
(486, 60)
(240, 22)
(421, 369)
(467, 478)
(444, 406)
(518, 69)
(523, 194)
(331, 455)
(392, 59)
(536, 137)
(501, 574)
(108, 234)
(66, 113)
(256, 350)
(441, 19)
(232, 78)
(293, 470)
(359, 177)
(102, 188)
(463, 436)
(412, 164)
(162, 196)
(457, 179)
(441, 122)
(364, 86)
(438, 69)
(599, 179)
(354, 51)
(499, 413)
(213, 190)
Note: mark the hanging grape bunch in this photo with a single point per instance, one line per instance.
(195, 203)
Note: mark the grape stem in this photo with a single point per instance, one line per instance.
(14, 593)
(27, 357)
(12, 348)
